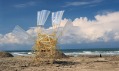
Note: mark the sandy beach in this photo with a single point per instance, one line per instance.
(80, 63)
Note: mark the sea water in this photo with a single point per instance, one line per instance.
(73, 52)
(78, 52)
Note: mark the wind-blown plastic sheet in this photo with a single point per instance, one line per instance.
(62, 30)
(20, 33)
(42, 17)
(56, 17)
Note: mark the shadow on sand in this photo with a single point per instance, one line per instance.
(65, 63)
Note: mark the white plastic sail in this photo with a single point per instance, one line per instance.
(42, 17)
(20, 33)
(56, 17)
(61, 31)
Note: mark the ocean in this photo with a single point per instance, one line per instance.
(73, 52)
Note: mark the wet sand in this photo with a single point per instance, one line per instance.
(80, 63)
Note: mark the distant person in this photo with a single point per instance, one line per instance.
(100, 55)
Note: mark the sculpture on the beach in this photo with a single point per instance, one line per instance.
(45, 46)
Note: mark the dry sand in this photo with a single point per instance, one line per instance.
(81, 63)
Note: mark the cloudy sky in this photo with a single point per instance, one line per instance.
(94, 23)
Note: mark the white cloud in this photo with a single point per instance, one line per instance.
(23, 5)
(116, 36)
(9, 38)
(80, 3)
(104, 28)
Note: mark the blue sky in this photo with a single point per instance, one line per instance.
(24, 14)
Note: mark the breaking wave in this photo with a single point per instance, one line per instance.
(92, 53)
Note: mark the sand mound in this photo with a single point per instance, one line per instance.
(5, 54)
(59, 54)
